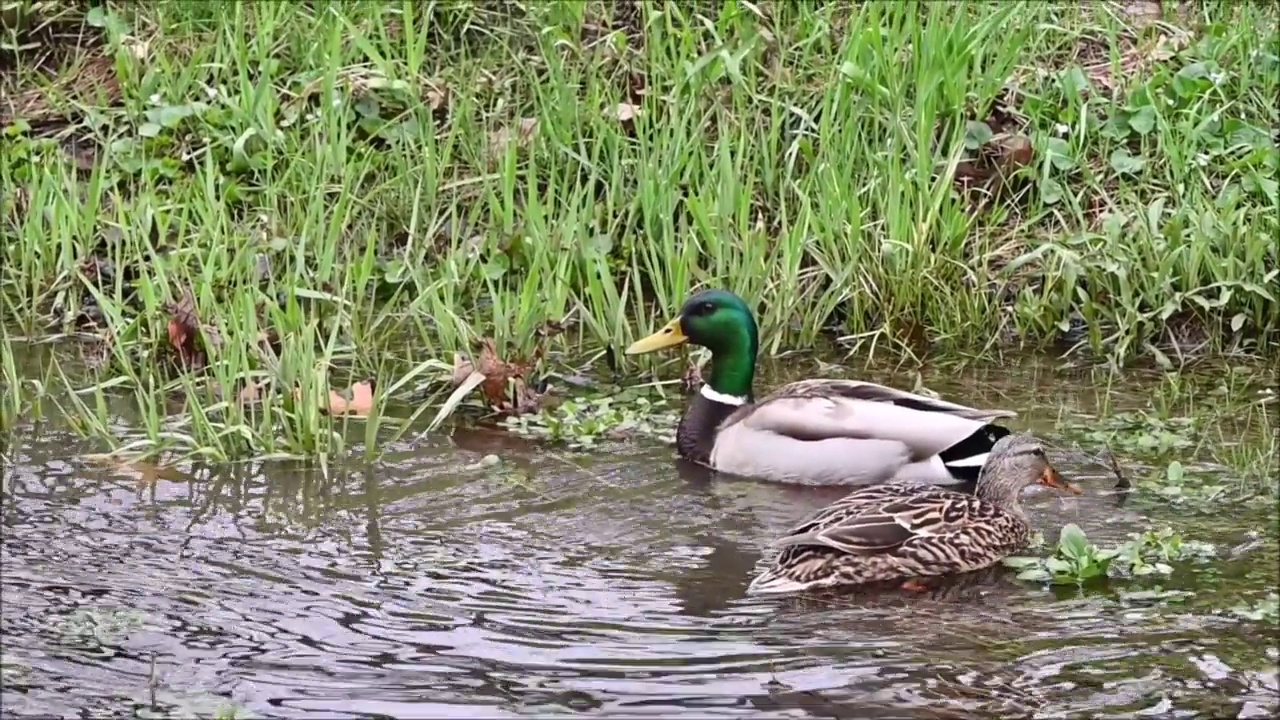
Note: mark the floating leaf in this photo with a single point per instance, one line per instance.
(1058, 566)
(1035, 574)
(359, 402)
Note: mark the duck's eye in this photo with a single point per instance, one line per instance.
(1039, 452)
(706, 308)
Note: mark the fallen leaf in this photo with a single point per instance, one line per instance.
(359, 404)
(625, 112)
(184, 330)
(1015, 152)
(436, 94)
(98, 355)
(142, 471)
(500, 140)
(252, 392)
(503, 387)
(970, 173)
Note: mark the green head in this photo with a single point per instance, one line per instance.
(721, 322)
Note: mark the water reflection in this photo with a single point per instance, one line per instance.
(552, 584)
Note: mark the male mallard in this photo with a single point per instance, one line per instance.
(904, 531)
(815, 432)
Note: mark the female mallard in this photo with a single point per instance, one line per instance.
(815, 432)
(905, 531)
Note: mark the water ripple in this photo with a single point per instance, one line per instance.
(615, 586)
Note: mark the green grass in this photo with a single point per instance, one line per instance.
(376, 186)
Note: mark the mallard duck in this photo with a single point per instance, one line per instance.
(906, 531)
(815, 432)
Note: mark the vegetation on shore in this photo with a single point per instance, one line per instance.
(228, 200)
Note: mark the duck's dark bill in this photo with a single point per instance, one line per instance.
(1051, 478)
(669, 336)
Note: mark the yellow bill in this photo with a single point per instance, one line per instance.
(669, 336)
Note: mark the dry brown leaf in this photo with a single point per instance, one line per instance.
(184, 330)
(1015, 152)
(360, 402)
(252, 392)
(500, 140)
(436, 93)
(144, 472)
(98, 354)
(625, 112)
(504, 387)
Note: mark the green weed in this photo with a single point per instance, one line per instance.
(22, 391)
(1265, 609)
(584, 423)
(1076, 561)
(1224, 417)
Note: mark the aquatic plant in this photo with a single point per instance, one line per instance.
(585, 422)
(1265, 609)
(1077, 561)
(1225, 419)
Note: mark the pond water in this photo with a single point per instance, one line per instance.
(609, 583)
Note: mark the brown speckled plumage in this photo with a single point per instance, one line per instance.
(899, 530)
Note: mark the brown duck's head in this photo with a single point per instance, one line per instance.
(1014, 463)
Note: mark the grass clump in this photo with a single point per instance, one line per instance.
(300, 196)
(1205, 439)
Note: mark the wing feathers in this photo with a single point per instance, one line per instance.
(884, 518)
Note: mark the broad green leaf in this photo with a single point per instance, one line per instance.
(1072, 541)
(1036, 574)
